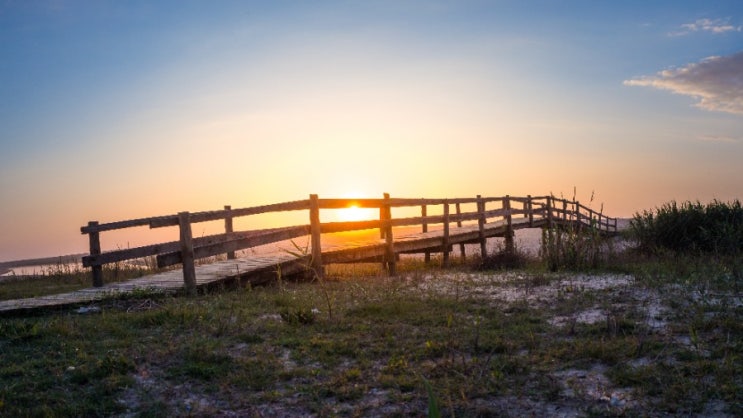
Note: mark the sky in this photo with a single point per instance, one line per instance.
(113, 110)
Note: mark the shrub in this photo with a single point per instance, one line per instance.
(690, 228)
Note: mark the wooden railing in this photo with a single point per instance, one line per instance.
(540, 211)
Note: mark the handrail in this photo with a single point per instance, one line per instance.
(542, 210)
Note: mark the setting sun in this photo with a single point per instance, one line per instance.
(354, 213)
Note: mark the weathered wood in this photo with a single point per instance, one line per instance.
(228, 228)
(481, 227)
(459, 225)
(390, 257)
(196, 217)
(445, 240)
(187, 256)
(220, 244)
(110, 226)
(509, 223)
(333, 227)
(129, 254)
(95, 249)
(533, 207)
(347, 203)
(315, 233)
(424, 226)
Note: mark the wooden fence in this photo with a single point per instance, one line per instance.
(543, 211)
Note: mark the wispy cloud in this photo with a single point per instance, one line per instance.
(717, 82)
(707, 25)
(719, 138)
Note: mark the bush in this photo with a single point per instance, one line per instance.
(691, 228)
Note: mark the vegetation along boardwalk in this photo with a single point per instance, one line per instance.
(439, 229)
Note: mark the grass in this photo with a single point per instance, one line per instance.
(430, 340)
(63, 278)
(627, 334)
(714, 228)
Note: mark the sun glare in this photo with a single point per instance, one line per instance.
(354, 213)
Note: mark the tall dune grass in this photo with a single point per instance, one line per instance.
(715, 228)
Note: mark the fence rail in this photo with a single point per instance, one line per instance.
(540, 211)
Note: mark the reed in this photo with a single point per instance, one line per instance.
(690, 227)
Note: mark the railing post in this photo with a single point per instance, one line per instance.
(381, 217)
(459, 225)
(390, 257)
(565, 211)
(549, 211)
(94, 238)
(228, 228)
(424, 213)
(590, 217)
(315, 236)
(187, 256)
(509, 224)
(578, 216)
(445, 241)
(481, 227)
(529, 208)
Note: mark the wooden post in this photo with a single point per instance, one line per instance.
(481, 227)
(578, 216)
(228, 228)
(315, 236)
(187, 256)
(390, 257)
(509, 224)
(424, 213)
(529, 208)
(95, 249)
(459, 225)
(550, 228)
(445, 242)
(590, 217)
(615, 225)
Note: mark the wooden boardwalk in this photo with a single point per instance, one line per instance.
(262, 268)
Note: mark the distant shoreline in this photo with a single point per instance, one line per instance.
(5, 266)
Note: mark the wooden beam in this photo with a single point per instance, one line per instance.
(481, 227)
(424, 224)
(220, 244)
(95, 249)
(509, 223)
(445, 241)
(228, 228)
(315, 233)
(389, 255)
(189, 270)
(459, 225)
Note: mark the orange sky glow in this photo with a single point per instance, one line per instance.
(116, 112)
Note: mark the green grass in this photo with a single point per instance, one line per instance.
(62, 278)
(249, 349)
(714, 228)
(492, 337)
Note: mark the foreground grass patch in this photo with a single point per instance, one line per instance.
(509, 344)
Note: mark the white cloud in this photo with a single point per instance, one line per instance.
(707, 25)
(717, 82)
(719, 138)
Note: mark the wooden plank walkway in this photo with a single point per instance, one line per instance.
(262, 268)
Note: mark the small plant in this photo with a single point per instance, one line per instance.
(328, 295)
(298, 316)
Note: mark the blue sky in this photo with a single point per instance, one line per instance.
(112, 110)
